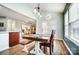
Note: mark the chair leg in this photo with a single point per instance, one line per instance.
(51, 50)
(40, 46)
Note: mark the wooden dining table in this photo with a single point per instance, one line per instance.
(37, 38)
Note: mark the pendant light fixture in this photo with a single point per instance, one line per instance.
(37, 10)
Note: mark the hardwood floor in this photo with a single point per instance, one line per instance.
(59, 49)
(15, 50)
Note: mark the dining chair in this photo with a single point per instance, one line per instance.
(49, 44)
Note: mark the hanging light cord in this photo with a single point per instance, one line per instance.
(38, 8)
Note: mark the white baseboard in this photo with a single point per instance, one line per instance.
(68, 48)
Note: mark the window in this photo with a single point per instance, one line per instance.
(72, 23)
(73, 13)
(74, 29)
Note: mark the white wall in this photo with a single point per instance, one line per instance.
(55, 22)
(60, 26)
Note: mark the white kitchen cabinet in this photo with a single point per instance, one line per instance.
(4, 41)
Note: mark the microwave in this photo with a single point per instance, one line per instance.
(1, 24)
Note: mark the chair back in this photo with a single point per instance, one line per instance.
(51, 42)
(52, 37)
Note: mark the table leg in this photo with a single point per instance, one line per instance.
(37, 50)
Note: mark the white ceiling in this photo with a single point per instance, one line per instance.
(14, 15)
(49, 7)
(24, 11)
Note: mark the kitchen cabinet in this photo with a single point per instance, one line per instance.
(4, 41)
(13, 38)
(8, 39)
